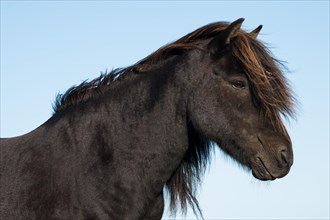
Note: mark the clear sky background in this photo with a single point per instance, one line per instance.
(46, 47)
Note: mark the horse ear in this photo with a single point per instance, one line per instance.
(225, 37)
(255, 32)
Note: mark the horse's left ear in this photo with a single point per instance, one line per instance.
(225, 37)
(255, 32)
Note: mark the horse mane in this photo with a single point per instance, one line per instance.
(88, 89)
(269, 87)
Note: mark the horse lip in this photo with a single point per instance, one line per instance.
(259, 164)
(264, 166)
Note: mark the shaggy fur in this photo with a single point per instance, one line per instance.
(161, 107)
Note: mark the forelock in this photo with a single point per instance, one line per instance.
(269, 86)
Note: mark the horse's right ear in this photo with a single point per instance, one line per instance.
(225, 37)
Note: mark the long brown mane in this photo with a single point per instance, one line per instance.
(270, 91)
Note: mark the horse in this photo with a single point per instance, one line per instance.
(116, 144)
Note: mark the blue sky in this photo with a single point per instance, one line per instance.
(46, 47)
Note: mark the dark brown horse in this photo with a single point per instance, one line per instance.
(115, 142)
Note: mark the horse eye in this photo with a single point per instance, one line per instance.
(238, 84)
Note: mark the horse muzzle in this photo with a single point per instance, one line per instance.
(264, 169)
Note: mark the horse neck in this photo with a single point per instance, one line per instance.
(146, 122)
(142, 117)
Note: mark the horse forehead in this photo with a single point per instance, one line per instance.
(229, 63)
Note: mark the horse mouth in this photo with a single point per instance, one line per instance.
(260, 171)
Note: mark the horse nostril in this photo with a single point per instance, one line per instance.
(284, 156)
